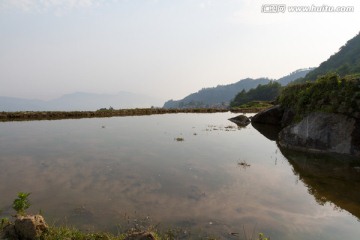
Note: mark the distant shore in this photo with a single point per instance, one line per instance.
(57, 115)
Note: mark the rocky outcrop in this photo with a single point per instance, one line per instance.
(271, 115)
(26, 227)
(240, 120)
(323, 132)
(287, 117)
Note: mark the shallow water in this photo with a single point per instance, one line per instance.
(102, 173)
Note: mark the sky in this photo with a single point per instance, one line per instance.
(161, 48)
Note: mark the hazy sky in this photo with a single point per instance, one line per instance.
(162, 48)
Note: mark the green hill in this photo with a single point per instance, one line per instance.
(268, 92)
(330, 93)
(221, 95)
(344, 62)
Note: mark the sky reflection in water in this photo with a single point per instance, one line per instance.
(83, 174)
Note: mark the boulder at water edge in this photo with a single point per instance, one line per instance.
(28, 227)
(323, 132)
(271, 115)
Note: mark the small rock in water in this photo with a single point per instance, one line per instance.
(240, 120)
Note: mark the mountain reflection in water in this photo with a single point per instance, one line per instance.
(220, 179)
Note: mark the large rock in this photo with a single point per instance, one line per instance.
(323, 132)
(28, 227)
(288, 117)
(271, 115)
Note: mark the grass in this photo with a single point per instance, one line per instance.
(57, 233)
(252, 107)
(256, 104)
(72, 233)
(75, 234)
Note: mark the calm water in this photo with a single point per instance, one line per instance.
(97, 173)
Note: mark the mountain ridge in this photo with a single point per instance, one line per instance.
(345, 61)
(221, 95)
(79, 101)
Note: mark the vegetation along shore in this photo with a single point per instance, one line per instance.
(56, 115)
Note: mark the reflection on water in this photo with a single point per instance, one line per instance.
(271, 132)
(95, 177)
(330, 178)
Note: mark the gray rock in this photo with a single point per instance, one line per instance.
(271, 115)
(323, 132)
(287, 117)
(240, 120)
(28, 227)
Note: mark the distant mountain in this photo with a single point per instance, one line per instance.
(344, 62)
(300, 73)
(217, 96)
(221, 95)
(80, 101)
(8, 104)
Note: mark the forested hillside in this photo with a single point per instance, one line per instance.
(221, 95)
(344, 62)
(266, 92)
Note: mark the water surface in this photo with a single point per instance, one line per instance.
(96, 173)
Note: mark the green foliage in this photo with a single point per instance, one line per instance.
(55, 233)
(3, 222)
(256, 104)
(262, 237)
(329, 93)
(21, 203)
(266, 92)
(344, 62)
(216, 96)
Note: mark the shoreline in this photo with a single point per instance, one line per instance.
(59, 115)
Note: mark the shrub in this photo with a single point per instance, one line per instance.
(21, 203)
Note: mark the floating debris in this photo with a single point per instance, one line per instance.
(179, 139)
(221, 128)
(243, 164)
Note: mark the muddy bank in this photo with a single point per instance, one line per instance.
(56, 115)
